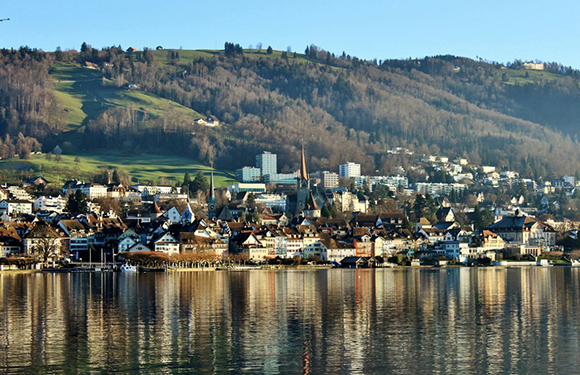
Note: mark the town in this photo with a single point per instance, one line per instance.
(451, 213)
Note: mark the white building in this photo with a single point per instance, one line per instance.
(349, 170)
(92, 191)
(15, 206)
(329, 180)
(148, 190)
(267, 163)
(51, 204)
(439, 188)
(16, 192)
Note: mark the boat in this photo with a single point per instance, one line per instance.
(245, 268)
(128, 268)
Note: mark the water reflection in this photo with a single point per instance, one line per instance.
(329, 321)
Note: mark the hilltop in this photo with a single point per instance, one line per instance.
(147, 102)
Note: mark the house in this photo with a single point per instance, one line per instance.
(524, 230)
(10, 241)
(37, 181)
(383, 245)
(173, 215)
(191, 243)
(40, 235)
(166, 243)
(311, 245)
(358, 262)
(294, 242)
(423, 223)
(363, 246)
(445, 215)
(210, 121)
(334, 250)
(138, 247)
(78, 239)
(126, 243)
(132, 49)
(248, 244)
(491, 241)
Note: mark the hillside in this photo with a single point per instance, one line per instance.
(490, 113)
(142, 168)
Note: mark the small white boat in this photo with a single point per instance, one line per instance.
(128, 268)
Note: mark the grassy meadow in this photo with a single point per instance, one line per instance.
(84, 94)
(141, 168)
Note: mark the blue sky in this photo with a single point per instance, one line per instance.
(494, 30)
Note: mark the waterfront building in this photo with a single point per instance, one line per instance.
(166, 243)
(524, 230)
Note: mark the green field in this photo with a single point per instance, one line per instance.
(524, 76)
(141, 168)
(85, 94)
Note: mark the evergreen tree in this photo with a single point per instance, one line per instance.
(325, 212)
(186, 179)
(77, 203)
(199, 183)
(269, 50)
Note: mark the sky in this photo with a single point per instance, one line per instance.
(494, 30)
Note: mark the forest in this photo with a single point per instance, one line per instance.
(342, 108)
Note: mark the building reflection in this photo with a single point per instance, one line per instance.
(295, 321)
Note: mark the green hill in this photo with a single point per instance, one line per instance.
(342, 108)
(84, 94)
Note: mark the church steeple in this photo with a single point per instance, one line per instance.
(303, 172)
(211, 186)
(303, 183)
(211, 202)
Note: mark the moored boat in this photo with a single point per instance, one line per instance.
(128, 268)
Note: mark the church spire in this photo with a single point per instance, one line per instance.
(303, 172)
(211, 186)
(211, 203)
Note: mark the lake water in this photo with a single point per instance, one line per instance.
(404, 321)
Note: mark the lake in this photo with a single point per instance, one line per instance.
(404, 321)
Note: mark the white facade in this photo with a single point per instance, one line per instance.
(15, 207)
(148, 190)
(18, 193)
(92, 191)
(349, 170)
(167, 244)
(329, 180)
(50, 204)
(439, 188)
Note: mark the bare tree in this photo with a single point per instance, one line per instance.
(47, 248)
